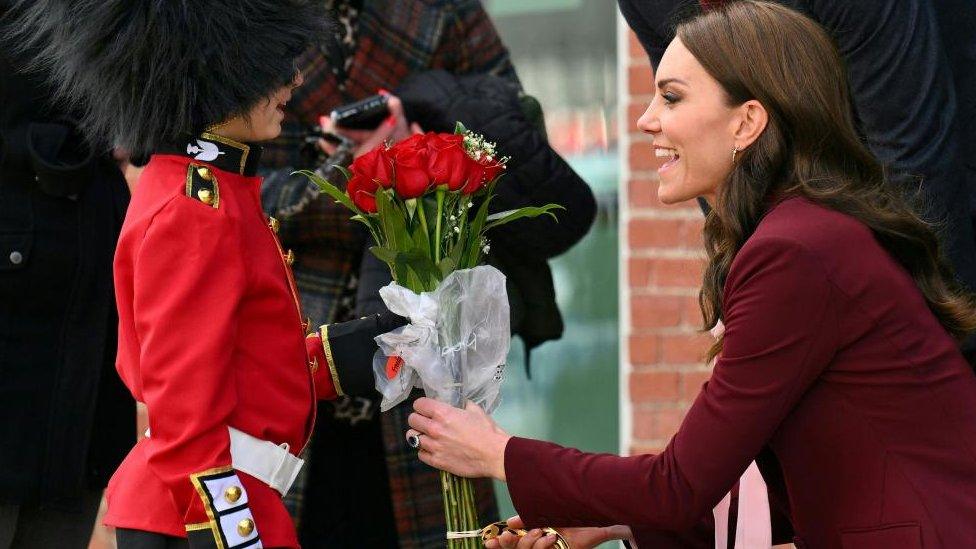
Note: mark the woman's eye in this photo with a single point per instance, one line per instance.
(670, 98)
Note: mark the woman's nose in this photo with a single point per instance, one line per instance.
(649, 122)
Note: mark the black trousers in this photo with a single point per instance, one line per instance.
(140, 539)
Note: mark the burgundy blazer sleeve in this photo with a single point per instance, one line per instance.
(780, 312)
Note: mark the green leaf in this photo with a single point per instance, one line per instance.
(427, 274)
(330, 189)
(344, 171)
(385, 254)
(393, 221)
(421, 240)
(476, 229)
(447, 266)
(529, 211)
(371, 224)
(459, 128)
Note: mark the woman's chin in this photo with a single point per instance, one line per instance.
(670, 196)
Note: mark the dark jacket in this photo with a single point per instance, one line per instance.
(834, 362)
(536, 175)
(65, 418)
(912, 68)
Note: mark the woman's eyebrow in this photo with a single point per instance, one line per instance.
(666, 81)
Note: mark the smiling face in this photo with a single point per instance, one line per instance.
(694, 127)
(263, 121)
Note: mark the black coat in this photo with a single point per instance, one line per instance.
(66, 421)
(535, 175)
(912, 68)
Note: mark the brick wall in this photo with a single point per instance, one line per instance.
(662, 260)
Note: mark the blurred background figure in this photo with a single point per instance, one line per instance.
(441, 63)
(912, 67)
(67, 421)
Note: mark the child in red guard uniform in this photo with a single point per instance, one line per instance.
(211, 336)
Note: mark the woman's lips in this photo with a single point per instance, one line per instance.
(670, 154)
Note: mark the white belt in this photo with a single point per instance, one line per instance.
(266, 461)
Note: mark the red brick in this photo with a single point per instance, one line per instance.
(634, 111)
(639, 271)
(655, 311)
(684, 348)
(657, 233)
(644, 424)
(684, 273)
(642, 193)
(654, 386)
(692, 312)
(643, 349)
(641, 157)
(693, 234)
(668, 421)
(635, 49)
(642, 449)
(691, 383)
(640, 80)
(657, 424)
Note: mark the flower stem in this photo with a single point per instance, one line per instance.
(440, 220)
(422, 216)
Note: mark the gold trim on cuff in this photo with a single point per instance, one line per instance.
(213, 524)
(324, 334)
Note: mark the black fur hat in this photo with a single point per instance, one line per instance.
(142, 73)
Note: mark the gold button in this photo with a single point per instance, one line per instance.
(274, 224)
(245, 527)
(205, 196)
(233, 494)
(205, 173)
(290, 257)
(313, 365)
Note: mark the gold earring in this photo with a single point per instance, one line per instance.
(734, 151)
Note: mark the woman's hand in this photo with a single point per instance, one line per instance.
(577, 538)
(465, 442)
(395, 128)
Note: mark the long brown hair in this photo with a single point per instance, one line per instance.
(770, 53)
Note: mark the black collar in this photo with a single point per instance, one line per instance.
(220, 152)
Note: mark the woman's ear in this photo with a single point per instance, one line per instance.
(751, 120)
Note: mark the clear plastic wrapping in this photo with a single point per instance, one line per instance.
(455, 345)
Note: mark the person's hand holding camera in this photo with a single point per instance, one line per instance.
(394, 128)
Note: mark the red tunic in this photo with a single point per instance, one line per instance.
(833, 361)
(210, 336)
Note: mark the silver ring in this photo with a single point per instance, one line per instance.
(414, 441)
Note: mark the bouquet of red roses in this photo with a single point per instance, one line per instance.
(425, 201)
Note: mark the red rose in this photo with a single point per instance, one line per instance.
(449, 164)
(480, 174)
(362, 189)
(410, 167)
(377, 164)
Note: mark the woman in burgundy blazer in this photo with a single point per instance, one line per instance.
(839, 370)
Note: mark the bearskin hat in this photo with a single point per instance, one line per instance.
(143, 73)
